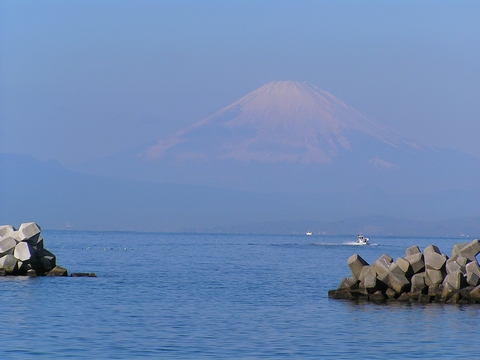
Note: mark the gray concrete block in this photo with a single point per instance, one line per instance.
(447, 292)
(367, 270)
(22, 251)
(417, 282)
(475, 294)
(452, 266)
(412, 250)
(356, 263)
(394, 268)
(430, 249)
(462, 261)
(435, 261)
(369, 283)
(455, 279)
(14, 234)
(383, 278)
(405, 266)
(382, 264)
(398, 283)
(471, 250)
(473, 267)
(9, 263)
(349, 283)
(456, 249)
(7, 243)
(29, 232)
(417, 262)
(6, 229)
(434, 277)
(472, 279)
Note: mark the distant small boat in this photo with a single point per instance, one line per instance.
(309, 233)
(362, 240)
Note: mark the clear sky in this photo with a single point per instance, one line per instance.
(84, 79)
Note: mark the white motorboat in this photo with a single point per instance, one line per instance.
(362, 240)
(309, 233)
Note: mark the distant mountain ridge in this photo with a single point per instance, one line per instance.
(57, 198)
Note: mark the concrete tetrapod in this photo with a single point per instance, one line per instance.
(356, 263)
(419, 277)
(22, 252)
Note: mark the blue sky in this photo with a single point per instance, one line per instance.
(84, 79)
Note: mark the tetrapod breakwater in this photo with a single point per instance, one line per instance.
(22, 253)
(425, 277)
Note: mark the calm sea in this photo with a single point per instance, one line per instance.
(189, 296)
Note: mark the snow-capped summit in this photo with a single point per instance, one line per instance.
(281, 121)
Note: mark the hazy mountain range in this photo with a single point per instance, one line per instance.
(285, 158)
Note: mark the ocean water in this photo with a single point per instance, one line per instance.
(199, 296)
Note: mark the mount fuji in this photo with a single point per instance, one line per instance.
(290, 136)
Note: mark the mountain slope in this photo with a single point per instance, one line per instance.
(292, 137)
(281, 121)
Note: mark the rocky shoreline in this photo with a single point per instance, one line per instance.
(22, 253)
(423, 277)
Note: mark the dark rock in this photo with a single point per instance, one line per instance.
(475, 294)
(79, 275)
(454, 299)
(377, 296)
(391, 294)
(465, 292)
(404, 297)
(432, 290)
(58, 271)
(424, 299)
(331, 293)
(31, 273)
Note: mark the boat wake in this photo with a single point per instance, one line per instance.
(350, 243)
(354, 243)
